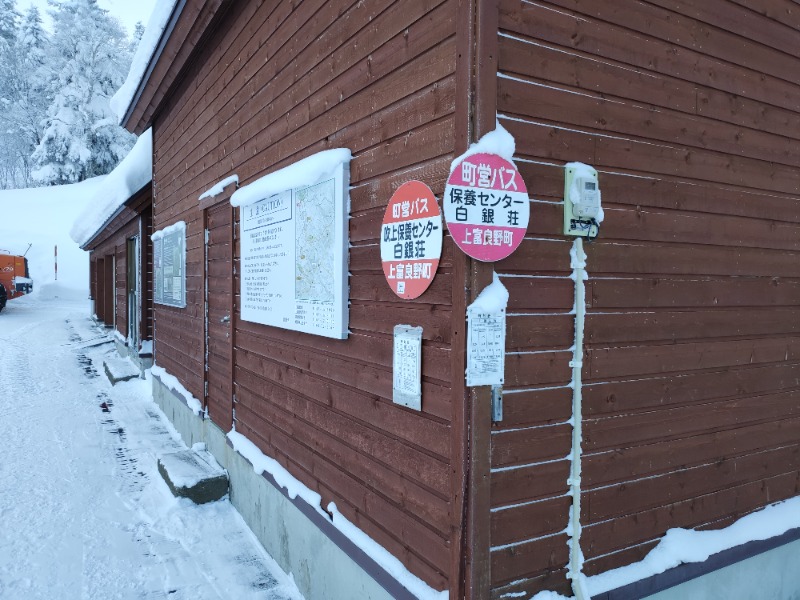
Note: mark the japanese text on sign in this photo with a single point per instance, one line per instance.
(411, 239)
(294, 258)
(486, 341)
(407, 366)
(486, 207)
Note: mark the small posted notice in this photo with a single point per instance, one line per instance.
(407, 366)
(486, 347)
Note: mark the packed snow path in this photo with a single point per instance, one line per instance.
(84, 513)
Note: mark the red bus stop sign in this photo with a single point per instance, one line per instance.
(486, 206)
(411, 239)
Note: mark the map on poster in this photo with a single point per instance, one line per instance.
(169, 265)
(294, 258)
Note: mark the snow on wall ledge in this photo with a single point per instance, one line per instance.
(172, 383)
(498, 141)
(307, 171)
(294, 488)
(680, 546)
(156, 26)
(132, 174)
(179, 226)
(493, 298)
(219, 187)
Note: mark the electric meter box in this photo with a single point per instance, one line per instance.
(582, 205)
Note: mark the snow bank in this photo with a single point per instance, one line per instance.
(156, 26)
(173, 384)
(307, 171)
(132, 174)
(41, 216)
(294, 488)
(498, 141)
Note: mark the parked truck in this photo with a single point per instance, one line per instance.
(15, 278)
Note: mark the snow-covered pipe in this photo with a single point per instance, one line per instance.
(575, 567)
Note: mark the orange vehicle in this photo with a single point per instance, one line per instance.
(15, 279)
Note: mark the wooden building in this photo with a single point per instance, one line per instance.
(115, 229)
(691, 369)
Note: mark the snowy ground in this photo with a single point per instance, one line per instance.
(83, 509)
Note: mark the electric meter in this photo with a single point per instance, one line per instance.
(582, 205)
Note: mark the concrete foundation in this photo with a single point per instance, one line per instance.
(325, 564)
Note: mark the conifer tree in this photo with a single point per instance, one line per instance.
(90, 55)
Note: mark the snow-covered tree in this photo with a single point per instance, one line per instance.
(90, 55)
(8, 21)
(24, 91)
(138, 32)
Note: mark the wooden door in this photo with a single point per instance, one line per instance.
(133, 267)
(100, 289)
(110, 292)
(219, 315)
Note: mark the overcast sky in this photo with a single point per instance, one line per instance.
(127, 12)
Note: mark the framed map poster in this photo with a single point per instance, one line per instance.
(169, 265)
(294, 257)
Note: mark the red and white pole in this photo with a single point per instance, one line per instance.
(56, 262)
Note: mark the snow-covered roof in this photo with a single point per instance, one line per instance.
(159, 19)
(131, 175)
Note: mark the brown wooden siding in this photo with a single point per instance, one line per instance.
(277, 82)
(100, 298)
(147, 273)
(110, 245)
(219, 342)
(93, 265)
(692, 362)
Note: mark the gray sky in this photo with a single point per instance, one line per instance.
(127, 12)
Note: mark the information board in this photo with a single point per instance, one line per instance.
(486, 347)
(169, 265)
(294, 258)
(407, 366)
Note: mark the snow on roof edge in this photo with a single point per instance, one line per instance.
(151, 39)
(129, 177)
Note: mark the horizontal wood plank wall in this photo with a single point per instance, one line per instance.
(113, 242)
(276, 82)
(93, 279)
(146, 248)
(691, 112)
